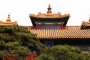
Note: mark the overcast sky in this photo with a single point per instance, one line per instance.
(19, 10)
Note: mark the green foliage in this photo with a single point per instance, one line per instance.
(44, 57)
(18, 40)
(65, 52)
(3, 54)
(22, 51)
(2, 44)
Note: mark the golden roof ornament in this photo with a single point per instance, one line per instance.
(49, 9)
(49, 6)
(8, 19)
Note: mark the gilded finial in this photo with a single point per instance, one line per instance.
(8, 16)
(49, 6)
(49, 9)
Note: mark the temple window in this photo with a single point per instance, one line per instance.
(42, 22)
(49, 27)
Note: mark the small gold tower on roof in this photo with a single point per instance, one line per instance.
(49, 9)
(49, 6)
(8, 19)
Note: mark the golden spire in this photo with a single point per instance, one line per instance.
(49, 9)
(49, 6)
(8, 19)
(8, 16)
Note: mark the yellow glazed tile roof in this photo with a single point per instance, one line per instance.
(49, 14)
(48, 34)
(8, 22)
(41, 15)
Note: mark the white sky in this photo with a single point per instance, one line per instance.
(19, 10)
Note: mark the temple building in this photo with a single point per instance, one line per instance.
(8, 22)
(51, 29)
(49, 20)
(85, 25)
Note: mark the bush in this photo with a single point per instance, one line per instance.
(63, 52)
(44, 57)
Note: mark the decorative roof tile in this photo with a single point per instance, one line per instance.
(48, 34)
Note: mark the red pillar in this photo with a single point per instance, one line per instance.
(61, 26)
(5, 58)
(32, 56)
(36, 26)
(29, 57)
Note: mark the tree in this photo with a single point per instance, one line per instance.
(19, 41)
(64, 52)
(44, 57)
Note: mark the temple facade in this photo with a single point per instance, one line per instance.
(51, 29)
(8, 22)
(49, 20)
